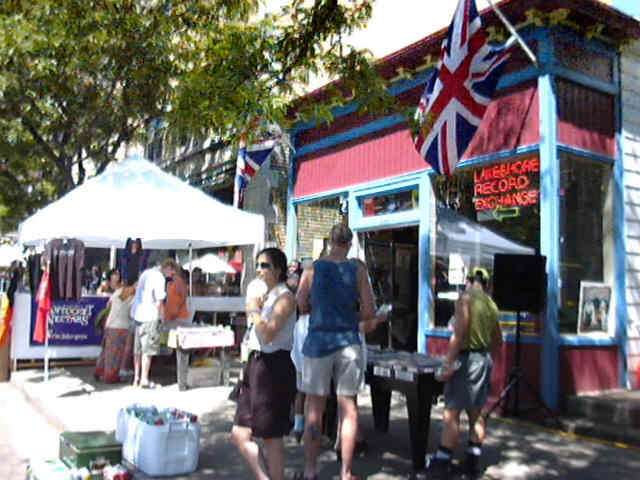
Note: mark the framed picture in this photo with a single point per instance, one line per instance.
(593, 314)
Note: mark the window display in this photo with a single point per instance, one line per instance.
(481, 211)
(586, 213)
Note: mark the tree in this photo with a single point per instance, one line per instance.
(81, 78)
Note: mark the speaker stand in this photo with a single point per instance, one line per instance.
(516, 376)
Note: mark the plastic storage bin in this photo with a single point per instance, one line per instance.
(171, 448)
(78, 449)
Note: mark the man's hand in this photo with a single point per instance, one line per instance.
(446, 373)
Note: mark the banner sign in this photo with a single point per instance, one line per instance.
(72, 322)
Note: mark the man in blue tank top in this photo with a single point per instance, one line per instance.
(330, 292)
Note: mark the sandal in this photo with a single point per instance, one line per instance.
(150, 385)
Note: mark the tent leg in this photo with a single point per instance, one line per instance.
(190, 270)
(46, 358)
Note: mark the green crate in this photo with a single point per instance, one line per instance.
(78, 449)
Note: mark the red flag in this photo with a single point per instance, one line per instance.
(43, 299)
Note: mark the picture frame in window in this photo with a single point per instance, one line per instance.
(594, 308)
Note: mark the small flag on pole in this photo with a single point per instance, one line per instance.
(250, 159)
(459, 90)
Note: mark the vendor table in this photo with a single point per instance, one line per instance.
(413, 375)
(200, 336)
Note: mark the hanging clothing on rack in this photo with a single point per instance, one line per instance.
(34, 267)
(66, 264)
(132, 263)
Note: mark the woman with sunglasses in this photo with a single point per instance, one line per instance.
(268, 384)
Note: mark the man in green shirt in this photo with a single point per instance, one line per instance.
(476, 334)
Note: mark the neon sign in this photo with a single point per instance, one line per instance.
(506, 185)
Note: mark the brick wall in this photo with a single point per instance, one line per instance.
(314, 222)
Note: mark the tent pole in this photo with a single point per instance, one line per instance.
(46, 354)
(112, 257)
(190, 270)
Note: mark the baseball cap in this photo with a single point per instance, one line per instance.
(479, 271)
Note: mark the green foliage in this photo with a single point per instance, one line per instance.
(80, 78)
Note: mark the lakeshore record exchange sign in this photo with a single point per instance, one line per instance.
(71, 322)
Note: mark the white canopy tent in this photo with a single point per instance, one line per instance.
(459, 234)
(210, 263)
(136, 199)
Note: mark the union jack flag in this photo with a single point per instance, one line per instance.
(459, 90)
(250, 159)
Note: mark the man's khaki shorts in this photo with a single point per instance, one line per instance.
(344, 366)
(147, 338)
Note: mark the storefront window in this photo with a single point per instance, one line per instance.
(586, 243)
(481, 211)
(395, 202)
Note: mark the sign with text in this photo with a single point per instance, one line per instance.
(507, 187)
(72, 322)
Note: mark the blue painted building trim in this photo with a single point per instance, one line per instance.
(508, 337)
(291, 243)
(586, 154)
(584, 341)
(585, 80)
(320, 196)
(619, 235)
(425, 294)
(549, 227)
(375, 126)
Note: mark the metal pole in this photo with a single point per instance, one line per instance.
(513, 32)
(190, 270)
(46, 353)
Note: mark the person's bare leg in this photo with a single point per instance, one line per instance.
(314, 409)
(275, 457)
(298, 418)
(145, 368)
(477, 426)
(137, 361)
(477, 433)
(451, 429)
(250, 451)
(348, 432)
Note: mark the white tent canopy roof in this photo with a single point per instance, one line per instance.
(136, 199)
(210, 263)
(459, 234)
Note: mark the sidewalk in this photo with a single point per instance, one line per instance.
(72, 400)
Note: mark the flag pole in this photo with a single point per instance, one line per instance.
(513, 32)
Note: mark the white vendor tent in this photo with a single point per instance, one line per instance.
(136, 199)
(210, 263)
(459, 234)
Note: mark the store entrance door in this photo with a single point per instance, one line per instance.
(392, 260)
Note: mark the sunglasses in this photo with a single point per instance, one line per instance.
(263, 265)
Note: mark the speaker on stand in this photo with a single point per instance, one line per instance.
(519, 285)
